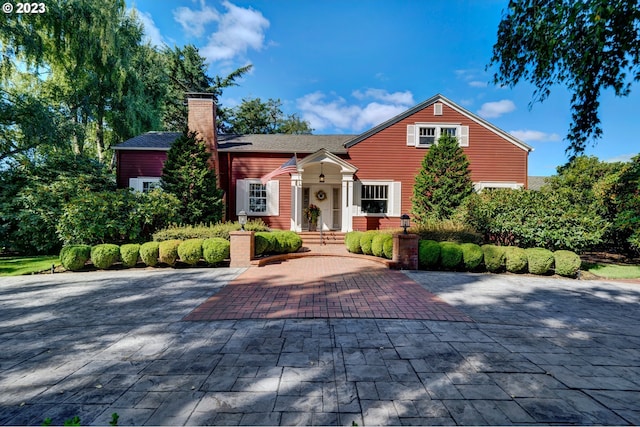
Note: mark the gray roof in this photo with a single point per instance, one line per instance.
(536, 182)
(278, 143)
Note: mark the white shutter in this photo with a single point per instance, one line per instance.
(411, 135)
(437, 109)
(464, 136)
(135, 184)
(273, 197)
(241, 196)
(395, 199)
(357, 192)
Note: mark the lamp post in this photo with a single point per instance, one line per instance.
(242, 219)
(405, 222)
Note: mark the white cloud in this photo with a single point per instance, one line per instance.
(491, 110)
(239, 30)
(621, 158)
(151, 32)
(529, 135)
(477, 83)
(194, 21)
(338, 114)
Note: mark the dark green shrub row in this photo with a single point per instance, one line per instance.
(434, 255)
(372, 242)
(276, 242)
(222, 229)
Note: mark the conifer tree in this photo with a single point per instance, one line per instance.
(187, 174)
(443, 182)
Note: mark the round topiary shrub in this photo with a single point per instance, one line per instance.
(366, 240)
(168, 251)
(216, 249)
(494, 257)
(149, 253)
(352, 240)
(377, 244)
(288, 241)
(472, 256)
(190, 251)
(567, 263)
(74, 257)
(450, 255)
(105, 255)
(129, 254)
(261, 242)
(428, 253)
(515, 259)
(539, 260)
(387, 246)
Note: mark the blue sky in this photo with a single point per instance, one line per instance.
(348, 65)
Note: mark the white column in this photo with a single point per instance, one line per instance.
(296, 202)
(347, 201)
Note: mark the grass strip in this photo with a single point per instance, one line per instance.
(17, 266)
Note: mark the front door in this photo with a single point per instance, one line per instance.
(325, 197)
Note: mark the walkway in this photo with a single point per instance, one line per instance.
(538, 351)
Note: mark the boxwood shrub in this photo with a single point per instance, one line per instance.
(352, 240)
(168, 251)
(515, 259)
(366, 240)
(377, 244)
(261, 242)
(387, 247)
(288, 241)
(74, 257)
(567, 263)
(450, 255)
(494, 257)
(215, 250)
(149, 253)
(129, 254)
(472, 256)
(202, 231)
(105, 255)
(428, 253)
(540, 260)
(190, 251)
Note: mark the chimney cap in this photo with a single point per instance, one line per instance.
(200, 95)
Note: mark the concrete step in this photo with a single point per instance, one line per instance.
(328, 237)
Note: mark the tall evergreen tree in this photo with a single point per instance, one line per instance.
(187, 174)
(443, 183)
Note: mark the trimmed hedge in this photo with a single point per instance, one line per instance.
(202, 231)
(190, 251)
(150, 253)
(428, 253)
(352, 240)
(450, 255)
(216, 250)
(567, 263)
(472, 256)
(366, 241)
(261, 242)
(129, 254)
(387, 247)
(74, 257)
(540, 260)
(515, 259)
(377, 244)
(105, 255)
(494, 257)
(288, 241)
(168, 251)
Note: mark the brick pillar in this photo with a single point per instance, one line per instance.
(405, 251)
(242, 244)
(202, 120)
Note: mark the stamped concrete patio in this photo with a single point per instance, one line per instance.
(527, 350)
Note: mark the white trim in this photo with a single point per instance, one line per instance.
(438, 132)
(394, 198)
(437, 109)
(137, 184)
(273, 197)
(479, 186)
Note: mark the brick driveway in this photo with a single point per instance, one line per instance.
(325, 287)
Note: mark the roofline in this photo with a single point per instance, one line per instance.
(139, 148)
(424, 104)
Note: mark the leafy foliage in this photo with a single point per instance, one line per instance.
(222, 229)
(567, 263)
(190, 251)
(428, 253)
(450, 255)
(443, 182)
(150, 253)
(129, 254)
(168, 251)
(515, 259)
(545, 43)
(624, 199)
(74, 257)
(253, 116)
(472, 256)
(105, 255)
(539, 260)
(216, 250)
(187, 175)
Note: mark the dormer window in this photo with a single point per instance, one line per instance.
(424, 135)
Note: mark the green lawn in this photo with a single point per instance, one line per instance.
(614, 271)
(16, 266)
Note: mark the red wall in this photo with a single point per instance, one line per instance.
(132, 164)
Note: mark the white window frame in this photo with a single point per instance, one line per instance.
(394, 198)
(243, 187)
(414, 131)
(137, 184)
(487, 185)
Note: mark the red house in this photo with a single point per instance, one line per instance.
(359, 182)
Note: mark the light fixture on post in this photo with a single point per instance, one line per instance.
(242, 219)
(405, 222)
(321, 177)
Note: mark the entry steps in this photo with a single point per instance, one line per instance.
(328, 238)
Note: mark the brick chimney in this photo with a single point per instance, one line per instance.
(202, 120)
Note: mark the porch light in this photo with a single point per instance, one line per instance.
(321, 178)
(242, 219)
(405, 222)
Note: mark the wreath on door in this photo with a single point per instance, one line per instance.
(321, 195)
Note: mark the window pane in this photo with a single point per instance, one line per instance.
(257, 198)
(374, 198)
